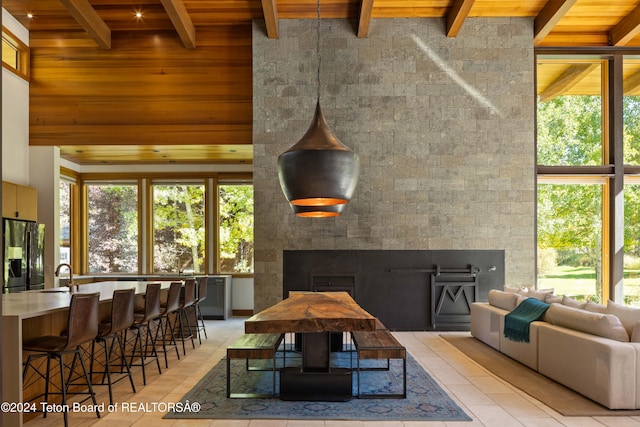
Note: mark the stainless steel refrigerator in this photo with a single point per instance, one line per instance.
(23, 255)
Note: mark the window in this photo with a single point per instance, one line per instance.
(142, 224)
(570, 239)
(15, 54)
(569, 115)
(65, 221)
(236, 228)
(178, 228)
(112, 225)
(571, 194)
(631, 111)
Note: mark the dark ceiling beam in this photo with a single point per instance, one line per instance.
(181, 21)
(88, 18)
(548, 17)
(270, 12)
(571, 77)
(366, 9)
(457, 15)
(626, 29)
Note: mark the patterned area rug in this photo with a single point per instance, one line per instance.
(426, 401)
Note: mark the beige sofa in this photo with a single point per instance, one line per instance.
(590, 348)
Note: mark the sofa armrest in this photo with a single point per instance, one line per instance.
(485, 323)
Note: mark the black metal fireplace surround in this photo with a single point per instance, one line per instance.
(408, 290)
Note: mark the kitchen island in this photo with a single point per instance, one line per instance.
(36, 313)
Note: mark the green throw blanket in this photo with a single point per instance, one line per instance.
(516, 323)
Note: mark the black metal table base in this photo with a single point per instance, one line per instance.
(334, 385)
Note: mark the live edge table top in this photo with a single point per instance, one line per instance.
(312, 312)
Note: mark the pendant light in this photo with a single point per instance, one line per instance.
(318, 173)
(318, 211)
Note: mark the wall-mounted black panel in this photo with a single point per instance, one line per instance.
(396, 285)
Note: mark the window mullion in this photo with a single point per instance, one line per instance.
(614, 113)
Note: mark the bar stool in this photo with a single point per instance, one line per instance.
(202, 295)
(186, 301)
(82, 328)
(144, 319)
(170, 306)
(109, 334)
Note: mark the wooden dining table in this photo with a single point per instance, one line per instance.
(35, 313)
(314, 315)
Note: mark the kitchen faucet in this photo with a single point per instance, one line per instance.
(57, 273)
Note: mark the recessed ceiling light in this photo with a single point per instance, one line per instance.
(138, 15)
(30, 15)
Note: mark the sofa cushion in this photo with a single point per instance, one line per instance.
(503, 300)
(629, 316)
(550, 298)
(603, 325)
(595, 307)
(570, 302)
(515, 290)
(539, 295)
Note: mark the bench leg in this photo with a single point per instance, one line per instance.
(228, 377)
(402, 395)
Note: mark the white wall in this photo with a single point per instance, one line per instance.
(45, 177)
(15, 115)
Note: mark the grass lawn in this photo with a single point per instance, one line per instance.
(568, 280)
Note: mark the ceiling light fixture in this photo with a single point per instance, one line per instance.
(318, 172)
(138, 15)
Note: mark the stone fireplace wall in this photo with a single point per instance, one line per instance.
(444, 128)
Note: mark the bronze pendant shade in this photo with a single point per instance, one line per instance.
(318, 172)
(318, 211)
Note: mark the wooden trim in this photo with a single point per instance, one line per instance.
(83, 217)
(147, 267)
(626, 29)
(76, 225)
(366, 9)
(224, 176)
(181, 21)
(140, 227)
(457, 15)
(548, 17)
(88, 18)
(270, 12)
(215, 231)
(69, 172)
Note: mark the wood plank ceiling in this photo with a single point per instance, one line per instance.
(159, 81)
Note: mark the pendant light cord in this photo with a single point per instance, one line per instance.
(318, 50)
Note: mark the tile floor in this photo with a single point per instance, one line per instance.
(485, 398)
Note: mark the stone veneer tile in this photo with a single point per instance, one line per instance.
(444, 128)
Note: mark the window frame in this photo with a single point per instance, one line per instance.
(23, 53)
(79, 248)
(613, 168)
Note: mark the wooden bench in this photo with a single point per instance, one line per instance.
(379, 344)
(254, 346)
